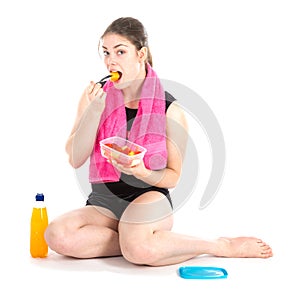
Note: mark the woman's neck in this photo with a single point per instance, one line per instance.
(132, 93)
(132, 96)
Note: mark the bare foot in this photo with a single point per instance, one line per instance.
(243, 247)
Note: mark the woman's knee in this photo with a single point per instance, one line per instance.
(139, 243)
(138, 252)
(60, 233)
(56, 237)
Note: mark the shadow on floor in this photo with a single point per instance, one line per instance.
(109, 264)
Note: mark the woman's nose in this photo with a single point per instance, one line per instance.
(111, 60)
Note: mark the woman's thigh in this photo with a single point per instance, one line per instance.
(148, 213)
(84, 233)
(87, 215)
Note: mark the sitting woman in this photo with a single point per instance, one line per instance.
(129, 211)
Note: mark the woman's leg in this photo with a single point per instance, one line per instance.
(152, 243)
(84, 233)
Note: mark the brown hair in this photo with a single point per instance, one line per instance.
(133, 30)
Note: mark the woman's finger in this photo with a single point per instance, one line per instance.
(90, 88)
(97, 89)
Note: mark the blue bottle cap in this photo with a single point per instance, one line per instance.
(39, 197)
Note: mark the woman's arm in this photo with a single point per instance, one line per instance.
(177, 134)
(177, 137)
(81, 141)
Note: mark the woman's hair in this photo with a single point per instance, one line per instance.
(133, 30)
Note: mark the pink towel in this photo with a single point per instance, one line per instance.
(148, 128)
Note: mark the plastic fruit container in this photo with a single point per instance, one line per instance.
(122, 151)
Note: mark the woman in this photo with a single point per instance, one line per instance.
(129, 211)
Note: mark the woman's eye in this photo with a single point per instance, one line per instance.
(120, 52)
(105, 53)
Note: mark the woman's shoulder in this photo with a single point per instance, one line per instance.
(169, 99)
(174, 109)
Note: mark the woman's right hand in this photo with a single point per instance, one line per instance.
(94, 92)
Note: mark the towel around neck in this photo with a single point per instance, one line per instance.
(148, 128)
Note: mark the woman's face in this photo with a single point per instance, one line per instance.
(120, 55)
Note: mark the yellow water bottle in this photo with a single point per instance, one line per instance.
(38, 225)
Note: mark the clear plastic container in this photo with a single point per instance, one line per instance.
(122, 151)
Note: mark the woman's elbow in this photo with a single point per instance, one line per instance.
(75, 163)
(175, 180)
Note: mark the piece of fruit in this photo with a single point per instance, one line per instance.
(115, 76)
(124, 149)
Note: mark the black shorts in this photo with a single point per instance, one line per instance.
(117, 196)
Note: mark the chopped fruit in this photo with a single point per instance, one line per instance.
(115, 76)
(122, 151)
(125, 149)
(109, 145)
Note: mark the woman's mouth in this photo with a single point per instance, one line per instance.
(115, 76)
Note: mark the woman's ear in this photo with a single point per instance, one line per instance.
(143, 53)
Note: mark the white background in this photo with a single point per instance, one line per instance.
(241, 57)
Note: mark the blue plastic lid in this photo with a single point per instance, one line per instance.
(39, 197)
(198, 272)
